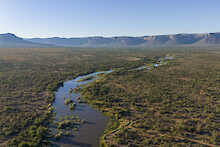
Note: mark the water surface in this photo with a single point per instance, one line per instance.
(89, 133)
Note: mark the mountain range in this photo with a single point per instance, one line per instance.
(11, 40)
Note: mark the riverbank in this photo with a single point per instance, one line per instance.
(89, 132)
(116, 123)
(160, 106)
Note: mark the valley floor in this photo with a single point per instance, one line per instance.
(176, 104)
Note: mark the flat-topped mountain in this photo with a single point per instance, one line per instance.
(159, 40)
(10, 40)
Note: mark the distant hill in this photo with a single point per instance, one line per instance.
(10, 40)
(145, 41)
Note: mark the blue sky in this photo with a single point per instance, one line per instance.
(79, 18)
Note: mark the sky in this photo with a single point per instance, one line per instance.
(81, 18)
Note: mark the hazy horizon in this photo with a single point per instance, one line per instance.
(107, 18)
(107, 35)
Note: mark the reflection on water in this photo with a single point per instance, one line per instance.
(90, 132)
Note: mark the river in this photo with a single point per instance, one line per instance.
(89, 133)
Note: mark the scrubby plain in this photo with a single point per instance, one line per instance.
(177, 103)
(28, 77)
